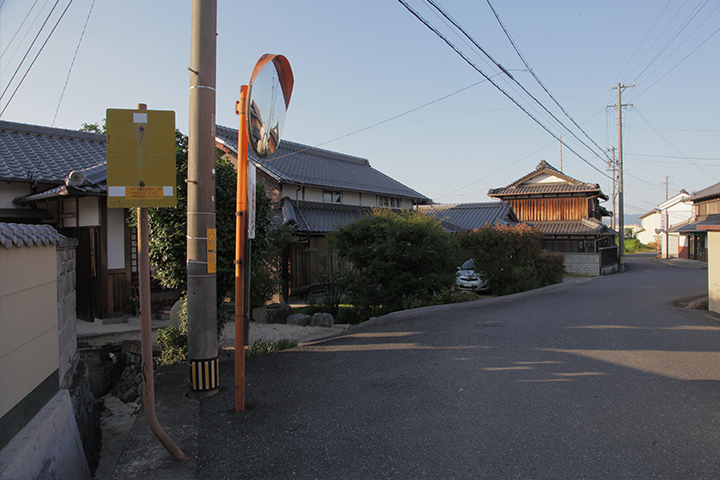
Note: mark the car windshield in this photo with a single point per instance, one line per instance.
(468, 265)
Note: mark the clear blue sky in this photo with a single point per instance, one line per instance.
(360, 63)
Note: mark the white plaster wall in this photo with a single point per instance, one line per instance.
(351, 198)
(313, 194)
(9, 191)
(713, 247)
(116, 238)
(89, 212)
(29, 350)
(649, 223)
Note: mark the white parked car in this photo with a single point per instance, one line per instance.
(468, 279)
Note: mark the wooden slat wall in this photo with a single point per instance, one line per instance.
(118, 292)
(550, 209)
(708, 208)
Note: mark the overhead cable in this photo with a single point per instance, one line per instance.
(33, 62)
(537, 79)
(82, 34)
(29, 48)
(476, 68)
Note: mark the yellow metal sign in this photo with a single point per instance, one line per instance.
(141, 158)
(211, 250)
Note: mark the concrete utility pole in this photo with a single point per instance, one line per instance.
(613, 169)
(201, 276)
(667, 187)
(621, 202)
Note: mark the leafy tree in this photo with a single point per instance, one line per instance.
(168, 230)
(511, 258)
(400, 258)
(95, 127)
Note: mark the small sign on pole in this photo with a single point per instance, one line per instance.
(252, 202)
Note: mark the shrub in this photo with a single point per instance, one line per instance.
(173, 340)
(511, 258)
(260, 347)
(400, 259)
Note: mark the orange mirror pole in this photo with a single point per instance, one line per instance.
(241, 214)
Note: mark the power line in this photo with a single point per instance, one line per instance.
(674, 147)
(504, 70)
(33, 62)
(672, 39)
(72, 63)
(681, 61)
(643, 41)
(476, 68)
(19, 28)
(30, 48)
(537, 79)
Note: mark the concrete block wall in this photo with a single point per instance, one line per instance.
(582, 263)
(66, 303)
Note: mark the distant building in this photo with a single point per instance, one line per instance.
(318, 191)
(658, 224)
(566, 211)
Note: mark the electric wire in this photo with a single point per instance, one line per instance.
(643, 41)
(477, 45)
(30, 48)
(672, 39)
(82, 34)
(476, 68)
(19, 28)
(537, 79)
(355, 132)
(680, 62)
(674, 147)
(33, 62)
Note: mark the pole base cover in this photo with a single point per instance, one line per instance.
(204, 374)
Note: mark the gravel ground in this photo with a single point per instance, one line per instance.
(269, 332)
(273, 332)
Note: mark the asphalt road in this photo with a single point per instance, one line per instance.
(604, 379)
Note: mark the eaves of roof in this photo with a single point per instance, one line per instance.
(22, 235)
(708, 193)
(585, 226)
(319, 218)
(651, 212)
(468, 216)
(31, 153)
(571, 185)
(309, 166)
(697, 224)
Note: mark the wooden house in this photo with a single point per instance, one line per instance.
(705, 217)
(58, 177)
(317, 191)
(566, 211)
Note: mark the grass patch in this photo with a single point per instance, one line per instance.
(633, 245)
(260, 347)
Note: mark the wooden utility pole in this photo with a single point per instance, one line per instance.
(621, 202)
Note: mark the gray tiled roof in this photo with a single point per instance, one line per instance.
(304, 165)
(705, 193)
(30, 153)
(691, 227)
(310, 217)
(586, 226)
(22, 235)
(468, 216)
(569, 185)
